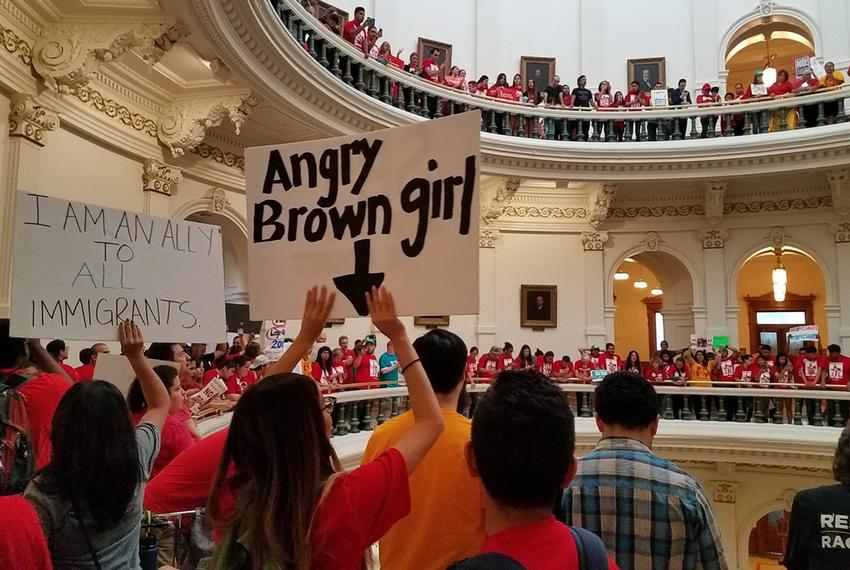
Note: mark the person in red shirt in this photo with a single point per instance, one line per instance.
(783, 375)
(610, 361)
(471, 364)
(836, 376)
(809, 371)
(324, 371)
(519, 523)
(223, 369)
(706, 98)
(506, 358)
(348, 357)
(563, 369)
(241, 379)
(655, 373)
(356, 27)
(22, 542)
(58, 350)
(488, 364)
(584, 366)
(782, 88)
(366, 366)
(331, 517)
(432, 67)
(525, 360)
(807, 84)
(546, 365)
(85, 373)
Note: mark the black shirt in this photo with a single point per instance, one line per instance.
(553, 92)
(819, 531)
(582, 97)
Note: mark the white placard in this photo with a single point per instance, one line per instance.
(397, 207)
(701, 343)
(801, 65)
(758, 89)
(79, 269)
(803, 333)
(272, 334)
(116, 369)
(659, 97)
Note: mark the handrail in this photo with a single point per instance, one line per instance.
(342, 60)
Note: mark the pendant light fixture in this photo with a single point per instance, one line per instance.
(780, 279)
(656, 292)
(621, 275)
(769, 72)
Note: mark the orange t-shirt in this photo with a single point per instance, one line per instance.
(446, 520)
(700, 375)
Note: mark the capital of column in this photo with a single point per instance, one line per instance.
(594, 241)
(184, 125)
(841, 232)
(839, 183)
(160, 177)
(30, 119)
(724, 491)
(488, 238)
(714, 239)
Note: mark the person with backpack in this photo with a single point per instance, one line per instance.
(522, 449)
(27, 400)
(662, 517)
(89, 497)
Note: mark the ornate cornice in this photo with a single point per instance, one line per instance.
(594, 241)
(755, 207)
(183, 125)
(601, 205)
(724, 491)
(30, 119)
(839, 183)
(544, 212)
(16, 46)
(216, 154)
(488, 238)
(657, 211)
(67, 54)
(160, 177)
(114, 110)
(504, 191)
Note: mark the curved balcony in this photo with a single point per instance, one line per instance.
(291, 59)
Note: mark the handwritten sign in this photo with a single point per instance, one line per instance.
(801, 65)
(116, 369)
(659, 97)
(397, 207)
(79, 270)
(758, 89)
(803, 333)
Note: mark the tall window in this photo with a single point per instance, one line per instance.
(659, 329)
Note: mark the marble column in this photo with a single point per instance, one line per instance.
(596, 328)
(713, 241)
(487, 289)
(839, 316)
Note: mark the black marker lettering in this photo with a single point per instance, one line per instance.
(351, 219)
(140, 227)
(261, 221)
(124, 223)
(375, 202)
(466, 199)
(314, 232)
(449, 195)
(95, 220)
(187, 313)
(295, 161)
(37, 221)
(370, 154)
(276, 173)
(414, 196)
(70, 213)
(84, 272)
(329, 169)
(293, 221)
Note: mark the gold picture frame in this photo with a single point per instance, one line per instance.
(534, 313)
(655, 68)
(541, 69)
(424, 47)
(432, 321)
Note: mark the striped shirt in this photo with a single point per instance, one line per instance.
(648, 512)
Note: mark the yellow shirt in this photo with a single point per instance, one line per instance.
(700, 373)
(837, 78)
(446, 520)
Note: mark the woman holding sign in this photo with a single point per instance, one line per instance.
(280, 493)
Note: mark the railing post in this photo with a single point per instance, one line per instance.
(595, 137)
(411, 101)
(694, 133)
(342, 420)
(467, 405)
(520, 126)
(748, 124)
(335, 63)
(565, 130)
(399, 97)
(642, 136)
(374, 87)
(817, 417)
(798, 411)
(712, 127)
(386, 97)
(323, 53)
(535, 131)
(492, 126)
(801, 121)
(687, 414)
(366, 422)
(783, 120)
(580, 133)
(346, 76)
(311, 44)
(778, 411)
(821, 120)
(730, 131)
(677, 135)
(703, 410)
(353, 418)
(721, 408)
(627, 133)
(841, 117)
(359, 84)
(382, 417)
(438, 111)
(584, 410)
(424, 110)
(740, 415)
(299, 32)
(762, 118)
(667, 412)
(837, 418)
(759, 415)
(610, 136)
(549, 128)
(450, 107)
(394, 408)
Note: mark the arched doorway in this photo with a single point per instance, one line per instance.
(771, 42)
(235, 255)
(768, 539)
(663, 310)
(762, 319)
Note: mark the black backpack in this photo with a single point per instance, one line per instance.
(17, 458)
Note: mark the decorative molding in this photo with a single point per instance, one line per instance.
(765, 7)
(657, 211)
(778, 205)
(114, 110)
(724, 491)
(505, 190)
(594, 241)
(30, 119)
(67, 54)
(160, 177)
(777, 238)
(839, 183)
(216, 154)
(16, 46)
(182, 126)
(714, 239)
(715, 192)
(544, 212)
(602, 204)
(652, 241)
(842, 232)
(218, 200)
(488, 238)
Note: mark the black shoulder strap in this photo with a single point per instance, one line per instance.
(14, 380)
(79, 516)
(591, 550)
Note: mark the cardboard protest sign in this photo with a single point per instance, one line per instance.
(720, 341)
(659, 97)
(758, 89)
(802, 64)
(78, 270)
(803, 333)
(397, 207)
(273, 335)
(116, 369)
(701, 343)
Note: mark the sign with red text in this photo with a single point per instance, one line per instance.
(78, 270)
(396, 207)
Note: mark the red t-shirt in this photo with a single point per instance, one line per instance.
(209, 376)
(584, 367)
(85, 373)
(762, 376)
(368, 370)
(808, 370)
(506, 362)
(812, 83)
(239, 385)
(487, 368)
(430, 69)
(780, 88)
(837, 372)
(702, 99)
(655, 376)
(173, 440)
(547, 369)
(641, 98)
(561, 367)
(726, 370)
(349, 31)
(743, 373)
(72, 374)
(42, 395)
(22, 543)
(543, 545)
(609, 363)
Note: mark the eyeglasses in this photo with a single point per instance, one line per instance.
(328, 404)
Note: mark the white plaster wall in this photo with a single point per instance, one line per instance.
(592, 37)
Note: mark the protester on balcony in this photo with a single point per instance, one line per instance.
(807, 84)
(604, 101)
(649, 512)
(655, 372)
(619, 125)
(633, 363)
(446, 518)
(680, 97)
(348, 356)
(456, 79)
(783, 376)
(583, 99)
(489, 364)
(413, 65)
(389, 367)
(836, 376)
(831, 78)
(545, 364)
(706, 98)
(782, 88)
(471, 363)
(322, 370)
(554, 90)
(355, 28)
(610, 361)
(583, 367)
(817, 529)
(366, 367)
(368, 42)
(482, 86)
(432, 68)
(531, 94)
(524, 360)
(506, 358)
(279, 494)
(522, 472)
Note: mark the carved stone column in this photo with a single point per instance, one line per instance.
(841, 334)
(487, 289)
(839, 183)
(159, 182)
(29, 123)
(182, 126)
(713, 241)
(596, 327)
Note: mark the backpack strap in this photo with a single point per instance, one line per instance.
(591, 550)
(14, 379)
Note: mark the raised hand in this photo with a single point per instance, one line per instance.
(132, 342)
(382, 310)
(317, 309)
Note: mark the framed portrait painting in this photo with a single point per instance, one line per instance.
(540, 69)
(425, 46)
(647, 72)
(323, 9)
(539, 306)
(431, 321)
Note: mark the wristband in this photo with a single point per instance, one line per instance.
(403, 370)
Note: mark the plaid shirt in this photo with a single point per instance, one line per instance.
(648, 512)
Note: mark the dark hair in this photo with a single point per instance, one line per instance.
(566, 358)
(833, 348)
(328, 365)
(161, 351)
(764, 347)
(508, 346)
(781, 355)
(482, 79)
(136, 399)
(609, 345)
(683, 80)
(745, 357)
(841, 460)
(443, 356)
(637, 364)
(12, 349)
(95, 464)
(812, 350)
(253, 350)
(360, 9)
(627, 400)
(282, 457)
(86, 356)
(500, 77)
(781, 72)
(223, 362)
(54, 347)
(523, 361)
(433, 50)
(549, 353)
(239, 361)
(523, 438)
(579, 78)
(473, 349)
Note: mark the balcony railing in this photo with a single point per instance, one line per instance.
(427, 100)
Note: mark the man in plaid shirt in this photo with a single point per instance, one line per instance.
(648, 512)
